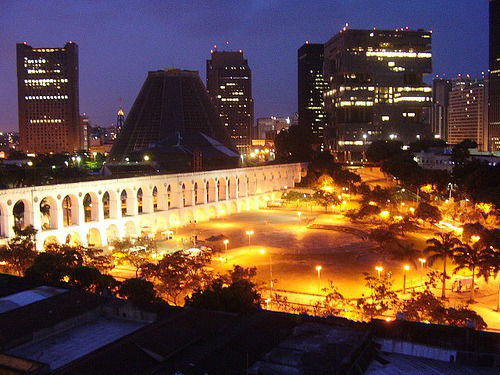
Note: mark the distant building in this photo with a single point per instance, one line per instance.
(85, 131)
(174, 124)
(376, 88)
(440, 158)
(311, 88)
(467, 112)
(49, 117)
(494, 77)
(269, 127)
(120, 120)
(229, 84)
(9, 141)
(439, 114)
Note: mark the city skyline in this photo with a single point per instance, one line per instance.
(112, 70)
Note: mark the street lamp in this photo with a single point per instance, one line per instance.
(422, 262)
(379, 269)
(226, 241)
(405, 269)
(318, 269)
(249, 234)
(474, 238)
(263, 252)
(299, 214)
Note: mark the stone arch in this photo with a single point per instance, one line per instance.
(140, 201)
(212, 212)
(186, 194)
(90, 207)
(94, 238)
(3, 221)
(70, 210)
(242, 190)
(73, 239)
(112, 233)
(50, 240)
(169, 197)
(200, 215)
(126, 202)
(211, 190)
(21, 212)
(232, 187)
(48, 213)
(222, 189)
(155, 194)
(222, 209)
(196, 194)
(130, 229)
(109, 205)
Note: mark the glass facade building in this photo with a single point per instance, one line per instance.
(311, 88)
(376, 88)
(48, 102)
(229, 84)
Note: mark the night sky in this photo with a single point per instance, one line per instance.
(119, 41)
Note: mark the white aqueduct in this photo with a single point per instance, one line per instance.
(99, 212)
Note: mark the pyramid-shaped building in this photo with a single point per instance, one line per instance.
(175, 124)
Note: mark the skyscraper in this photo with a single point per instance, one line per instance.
(494, 77)
(376, 88)
(48, 101)
(174, 123)
(311, 88)
(229, 84)
(439, 115)
(467, 112)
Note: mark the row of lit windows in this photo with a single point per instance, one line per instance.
(46, 121)
(45, 81)
(42, 71)
(425, 55)
(40, 97)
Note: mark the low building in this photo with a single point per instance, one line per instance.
(440, 158)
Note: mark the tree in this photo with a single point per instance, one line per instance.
(382, 297)
(428, 212)
(382, 237)
(295, 144)
(139, 291)
(382, 150)
(405, 253)
(235, 292)
(20, 251)
(326, 199)
(480, 259)
(441, 248)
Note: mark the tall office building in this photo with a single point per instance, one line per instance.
(48, 102)
(376, 88)
(269, 127)
(494, 78)
(467, 112)
(439, 114)
(229, 84)
(311, 88)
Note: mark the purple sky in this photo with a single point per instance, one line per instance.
(119, 41)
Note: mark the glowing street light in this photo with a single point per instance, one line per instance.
(474, 238)
(249, 234)
(318, 269)
(384, 214)
(405, 269)
(225, 242)
(379, 269)
(299, 214)
(422, 262)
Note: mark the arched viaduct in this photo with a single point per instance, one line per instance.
(98, 212)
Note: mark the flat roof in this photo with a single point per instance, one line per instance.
(67, 346)
(27, 297)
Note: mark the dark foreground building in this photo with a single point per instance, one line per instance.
(311, 88)
(229, 83)
(58, 330)
(174, 125)
(376, 88)
(47, 86)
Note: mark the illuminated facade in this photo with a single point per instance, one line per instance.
(439, 115)
(311, 88)
(376, 88)
(269, 127)
(229, 84)
(467, 112)
(120, 120)
(494, 77)
(48, 102)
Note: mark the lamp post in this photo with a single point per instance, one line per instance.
(263, 252)
(249, 234)
(318, 269)
(226, 241)
(379, 269)
(299, 214)
(422, 262)
(405, 269)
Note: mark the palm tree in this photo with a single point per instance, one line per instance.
(476, 257)
(406, 253)
(441, 248)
